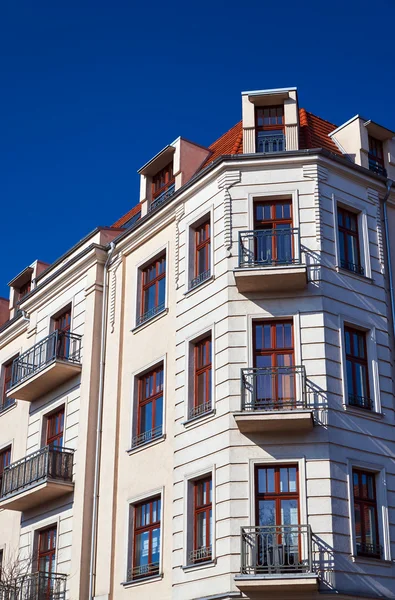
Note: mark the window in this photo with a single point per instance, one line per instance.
(153, 289)
(46, 561)
(202, 362)
(146, 539)
(376, 156)
(269, 125)
(357, 368)
(273, 233)
(62, 325)
(150, 407)
(5, 460)
(349, 241)
(55, 426)
(277, 517)
(365, 514)
(24, 290)
(202, 253)
(163, 185)
(274, 374)
(6, 384)
(202, 520)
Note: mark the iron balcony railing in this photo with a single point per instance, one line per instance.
(200, 555)
(273, 388)
(47, 463)
(360, 402)
(35, 586)
(376, 166)
(200, 278)
(272, 549)
(150, 314)
(147, 436)
(142, 571)
(200, 409)
(6, 404)
(372, 550)
(163, 197)
(269, 247)
(57, 345)
(267, 142)
(350, 266)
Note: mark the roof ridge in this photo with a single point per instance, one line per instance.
(308, 112)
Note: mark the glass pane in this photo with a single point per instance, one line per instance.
(201, 525)
(146, 417)
(264, 245)
(283, 240)
(261, 481)
(361, 380)
(342, 246)
(141, 549)
(266, 512)
(162, 291)
(348, 341)
(370, 525)
(201, 262)
(292, 479)
(149, 298)
(371, 487)
(270, 480)
(158, 411)
(355, 484)
(358, 527)
(155, 544)
(284, 480)
(289, 512)
(201, 388)
(350, 381)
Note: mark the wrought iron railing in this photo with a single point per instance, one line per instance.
(376, 166)
(360, 401)
(275, 549)
(163, 197)
(273, 388)
(141, 571)
(57, 345)
(35, 586)
(350, 266)
(373, 550)
(270, 143)
(6, 404)
(47, 463)
(200, 409)
(147, 436)
(149, 314)
(269, 247)
(200, 278)
(200, 555)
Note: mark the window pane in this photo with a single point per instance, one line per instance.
(266, 512)
(289, 512)
(149, 298)
(361, 380)
(158, 411)
(155, 544)
(141, 549)
(162, 291)
(261, 481)
(270, 480)
(201, 530)
(370, 525)
(146, 417)
(358, 526)
(284, 480)
(292, 479)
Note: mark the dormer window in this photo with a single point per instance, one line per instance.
(163, 185)
(24, 290)
(269, 127)
(376, 156)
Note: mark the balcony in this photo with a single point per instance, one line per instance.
(274, 399)
(277, 558)
(46, 365)
(161, 198)
(35, 586)
(270, 141)
(36, 479)
(376, 165)
(269, 261)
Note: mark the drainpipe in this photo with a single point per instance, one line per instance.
(92, 572)
(25, 316)
(387, 245)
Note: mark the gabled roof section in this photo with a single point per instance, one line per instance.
(230, 142)
(314, 132)
(129, 215)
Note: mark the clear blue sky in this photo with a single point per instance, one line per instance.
(90, 90)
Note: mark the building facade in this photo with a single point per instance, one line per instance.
(226, 375)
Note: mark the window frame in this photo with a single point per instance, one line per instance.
(52, 551)
(204, 245)
(191, 226)
(143, 401)
(143, 287)
(359, 267)
(206, 368)
(275, 127)
(5, 402)
(355, 360)
(6, 450)
(207, 482)
(52, 418)
(363, 503)
(169, 178)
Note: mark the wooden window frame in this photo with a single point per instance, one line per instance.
(165, 178)
(376, 150)
(54, 436)
(198, 509)
(271, 127)
(353, 359)
(201, 370)
(273, 222)
(277, 496)
(273, 351)
(205, 244)
(146, 285)
(24, 289)
(363, 502)
(354, 234)
(141, 402)
(5, 460)
(143, 529)
(6, 377)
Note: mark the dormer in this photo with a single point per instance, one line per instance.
(23, 283)
(169, 170)
(368, 144)
(270, 120)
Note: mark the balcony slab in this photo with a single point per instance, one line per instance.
(284, 585)
(271, 279)
(298, 421)
(44, 380)
(32, 496)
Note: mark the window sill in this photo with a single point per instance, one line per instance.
(371, 560)
(7, 409)
(357, 276)
(141, 447)
(151, 320)
(199, 419)
(201, 565)
(134, 583)
(363, 412)
(201, 285)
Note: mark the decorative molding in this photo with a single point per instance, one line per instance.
(291, 137)
(112, 293)
(318, 174)
(225, 182)
(374, 197)
(248, 140)
(179, 215)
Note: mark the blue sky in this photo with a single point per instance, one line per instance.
(90, 90)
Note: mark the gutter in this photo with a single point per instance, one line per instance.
(388, 249)
(92, 566)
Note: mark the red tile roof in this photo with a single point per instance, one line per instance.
(313, 133)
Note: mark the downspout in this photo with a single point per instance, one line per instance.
(92, 572)
(388, 249)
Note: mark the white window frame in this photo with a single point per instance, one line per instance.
(189, 480)
(363, 234)
(372, 359)
(139, 267)
(131, 502)
(189, 373)
(190, 227)
(382, 503)
(276, 195)
(135, 399)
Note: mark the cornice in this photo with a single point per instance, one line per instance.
(14, 330)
